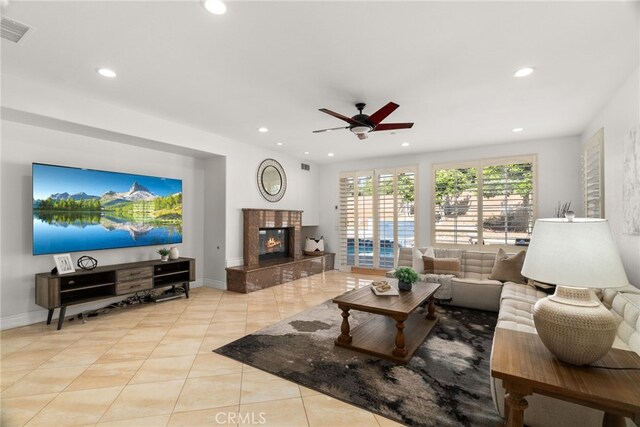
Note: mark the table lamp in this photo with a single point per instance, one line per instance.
(577, 255)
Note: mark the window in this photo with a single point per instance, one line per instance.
(377, 215)
(592, 168)
(485, 202)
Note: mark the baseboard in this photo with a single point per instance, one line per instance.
(215, 284)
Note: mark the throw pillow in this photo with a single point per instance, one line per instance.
(508, 268)
(418, 264)
(441, 265)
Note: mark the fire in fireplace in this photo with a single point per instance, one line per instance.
(273, 243)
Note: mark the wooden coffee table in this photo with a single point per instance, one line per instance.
(398, 332)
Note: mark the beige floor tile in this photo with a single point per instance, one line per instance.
(324, 411)
(106, 375)
(128, 351)
(76, 407)
(259, 386)
(164, 369)
(11, 344)
(102, 337)
(9, 377)
(18, 411)
(171, 347)
(304, 391)
(210, 392)
(386, 422)
(144, 400)
(225, 416)
(42, 381)
(217, 328)
(209, 364)
(26, 359)
(156, 421)
(76, 355)
(144, 334)
(284, 413)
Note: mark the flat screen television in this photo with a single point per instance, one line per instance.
(78, 209)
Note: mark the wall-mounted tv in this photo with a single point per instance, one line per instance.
(78, 209)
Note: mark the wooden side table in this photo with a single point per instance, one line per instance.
(525, 366)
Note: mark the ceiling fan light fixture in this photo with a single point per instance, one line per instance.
(358, 130)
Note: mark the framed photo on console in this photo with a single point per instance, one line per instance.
(64, 263)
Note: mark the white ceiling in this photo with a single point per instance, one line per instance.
(448, 64)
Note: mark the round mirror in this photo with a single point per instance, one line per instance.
(272, 181)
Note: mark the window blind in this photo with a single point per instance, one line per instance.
(377, 215)
(484, 202)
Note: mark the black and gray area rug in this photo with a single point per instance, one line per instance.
(446, 383)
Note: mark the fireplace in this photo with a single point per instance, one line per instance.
(273, 243)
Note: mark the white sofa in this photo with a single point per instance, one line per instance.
(514, 303)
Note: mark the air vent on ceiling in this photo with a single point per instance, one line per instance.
(305, 167)
(13, 31)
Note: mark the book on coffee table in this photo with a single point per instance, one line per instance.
(383, 288)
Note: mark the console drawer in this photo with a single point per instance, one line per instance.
(133, 274)
(134, 286)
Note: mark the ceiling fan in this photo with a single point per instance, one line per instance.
(362, 124)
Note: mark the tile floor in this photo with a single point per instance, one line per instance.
(152, 365)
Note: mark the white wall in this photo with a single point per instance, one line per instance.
(215, 222)
(42, 123)
(558, 179)
(22, 145)
(618, 117)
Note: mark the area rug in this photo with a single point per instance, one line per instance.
(446, 383)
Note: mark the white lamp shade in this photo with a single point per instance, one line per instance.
(580, 253)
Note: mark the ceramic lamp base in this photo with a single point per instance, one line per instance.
(574, 325)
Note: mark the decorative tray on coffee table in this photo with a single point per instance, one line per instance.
(383, 288)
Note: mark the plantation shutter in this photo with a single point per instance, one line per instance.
(484, 202)
(376, 216)
(593, 173)
(507, 203)
(456, 206)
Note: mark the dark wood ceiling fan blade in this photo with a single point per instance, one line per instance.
(392, 126)
(382, 113)
(341, 117)
(330, 129)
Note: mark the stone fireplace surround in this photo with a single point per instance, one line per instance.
(255, 275)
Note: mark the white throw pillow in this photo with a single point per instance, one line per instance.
(418, 262)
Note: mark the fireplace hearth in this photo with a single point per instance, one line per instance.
(272, 251)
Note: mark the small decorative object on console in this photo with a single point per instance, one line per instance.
(406, 278)
(86, 262)
(64, 264)
(174, 253)
(164, 254)
(313, 246)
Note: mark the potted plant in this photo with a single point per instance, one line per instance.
(164, 254)
(406, 276)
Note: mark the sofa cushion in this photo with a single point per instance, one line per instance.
(508, 268)
(441, 266)
(478, 265)
(520, 292)
(417, 262)
(626, 309)
(479, 282)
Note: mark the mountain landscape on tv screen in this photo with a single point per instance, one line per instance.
(65, 222)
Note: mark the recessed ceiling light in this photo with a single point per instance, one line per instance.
(105, 72)
(279, 143)
(405, 144)
(517, 130)
(330, 154)
(217, 7)
(263, 130)
(306, 152)
(524, 72)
